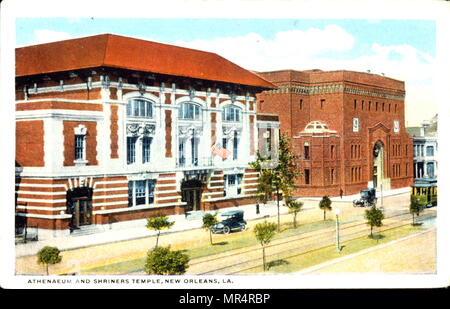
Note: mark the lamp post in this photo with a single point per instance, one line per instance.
(337, 212)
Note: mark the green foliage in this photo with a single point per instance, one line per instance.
(209, 220)
(416, 205)
(279, 176)
(325, 205)
(264, 233)
(294, 208)
(49, 256)
(374, 217)
(159, 223)
(163, 261)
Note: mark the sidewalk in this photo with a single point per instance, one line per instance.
(128, 232)
(136, 229)
(350, 198)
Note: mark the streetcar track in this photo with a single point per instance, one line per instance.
(324, 236)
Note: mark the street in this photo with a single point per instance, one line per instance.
(241, 259)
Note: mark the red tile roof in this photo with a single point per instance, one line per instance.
(107, 50)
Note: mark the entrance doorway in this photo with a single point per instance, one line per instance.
(80, 207)
(378, 164)
(191, 193)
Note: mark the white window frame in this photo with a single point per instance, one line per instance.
(148, 195)
(80, 135)
(140, 108)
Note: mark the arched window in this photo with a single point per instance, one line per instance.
(189, 111)
(231, 114)
(140, 108)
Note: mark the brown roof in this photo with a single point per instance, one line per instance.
(107, 50)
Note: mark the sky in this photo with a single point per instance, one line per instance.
(401, 49)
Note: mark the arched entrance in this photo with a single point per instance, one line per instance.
(79, 205)
(378, 164)
(191, 193)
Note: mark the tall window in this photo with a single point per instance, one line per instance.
(141, 192)
(306, 152)
(79, 147)
(140, 108)
(232, 114)
(307, 177)
(322, 103)
(430, 151)
(301, 104)
(235, 146)
(189, 111)
(131, 149)
(146, 143)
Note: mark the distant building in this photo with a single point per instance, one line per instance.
(425, 149)
(348, 127)
(112, 129)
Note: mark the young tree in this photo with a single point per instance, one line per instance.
(163, 261)
(294, 208)
(325, 205)
(264, 233)
(277, 176)
(374, 217)
(159, 223)
(49, 255)
(415, 207)
(209, 220)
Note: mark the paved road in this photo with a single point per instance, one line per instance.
(93, 256)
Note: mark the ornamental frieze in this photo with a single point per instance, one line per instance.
(334, 88)
(140, 129)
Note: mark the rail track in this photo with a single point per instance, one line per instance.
(244, 260)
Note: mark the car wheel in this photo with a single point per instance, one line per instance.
(242, 227)
(226, 230)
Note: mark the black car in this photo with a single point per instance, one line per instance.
(234, 222)
(368, 198)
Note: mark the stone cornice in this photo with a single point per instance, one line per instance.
(332, 88)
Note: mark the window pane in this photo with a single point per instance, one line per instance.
(140, 192)
(151, 191)
(79, 145)
(130, 193)
(131, 149)
(146, 143)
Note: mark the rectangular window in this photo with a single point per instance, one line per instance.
(333, 152)
(322, 103)
(141, 192)
(307, 177)
(430, 151)
(355, 102)
(131, 149)
(235, 146)
(301, 104)
(181, 156)
(306, 152)
(146, 142)
(79, 147)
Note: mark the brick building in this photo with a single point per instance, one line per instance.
(112, 129)
(348, 127)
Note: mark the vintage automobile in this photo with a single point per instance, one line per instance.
(368, 198)
(234, 222)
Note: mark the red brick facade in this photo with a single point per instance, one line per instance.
(336, 99)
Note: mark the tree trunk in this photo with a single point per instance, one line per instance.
(295, 220)
(413, 218)
(157, 239)
(278, 208)
(210, 237)
(264, 258)
(324, 215)
(47, 269)
(371, 228)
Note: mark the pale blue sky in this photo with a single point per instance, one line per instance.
(401, 49)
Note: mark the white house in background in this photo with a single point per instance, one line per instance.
(425, 145)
